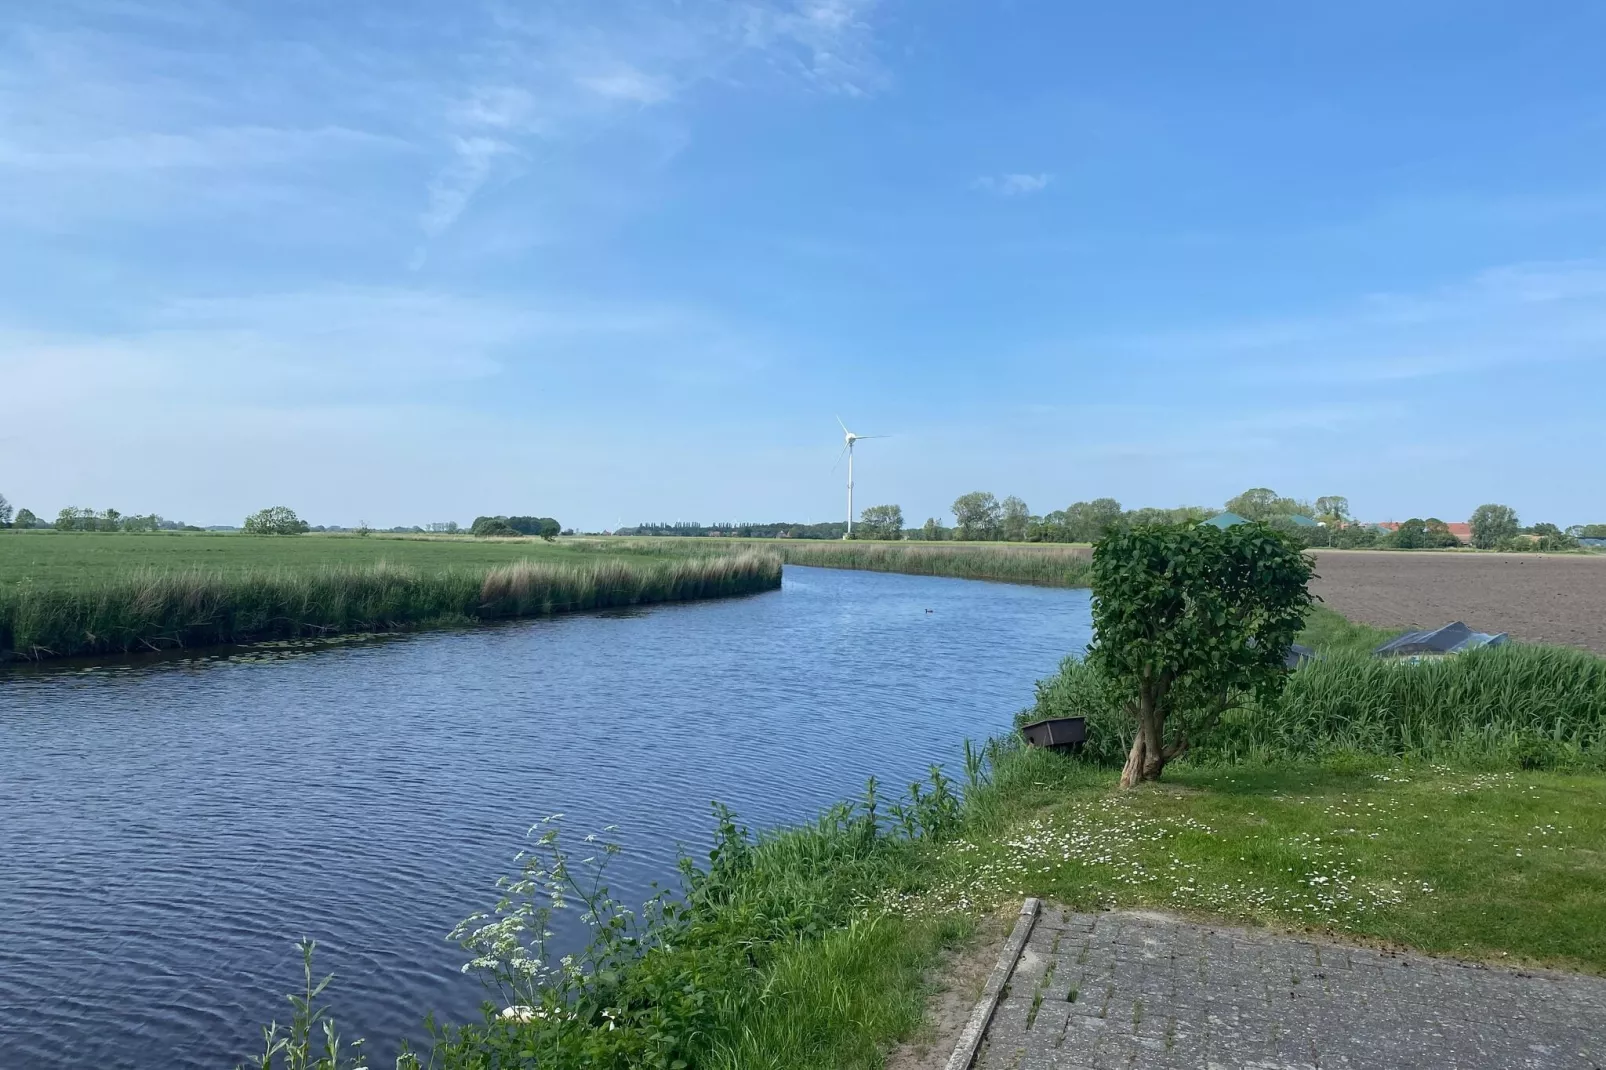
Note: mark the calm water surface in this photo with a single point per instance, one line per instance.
(168, 830)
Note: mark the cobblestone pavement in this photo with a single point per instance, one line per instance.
(1100, 991)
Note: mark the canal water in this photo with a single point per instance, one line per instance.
(169, 829)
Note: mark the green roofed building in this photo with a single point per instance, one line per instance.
(1225, 520)
(1301, 521)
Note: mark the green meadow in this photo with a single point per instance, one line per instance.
(76, 558)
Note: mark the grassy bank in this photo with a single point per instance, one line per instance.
(1040, 564)
(1512, 706)
(149, 609)
(811, 948)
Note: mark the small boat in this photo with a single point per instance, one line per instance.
(1057, 733)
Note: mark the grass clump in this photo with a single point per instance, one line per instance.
(151, 609)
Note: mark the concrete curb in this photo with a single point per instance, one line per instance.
(975, 1029)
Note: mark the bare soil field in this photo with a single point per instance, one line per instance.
(1543, 598)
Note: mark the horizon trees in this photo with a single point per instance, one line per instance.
(1014, 519)
(882, 522)
(1492, 524)
(978, 514)
(275, 520)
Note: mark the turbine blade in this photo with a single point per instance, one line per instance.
(843, 426)
(839, 457)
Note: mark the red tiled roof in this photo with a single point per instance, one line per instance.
(1461, 531)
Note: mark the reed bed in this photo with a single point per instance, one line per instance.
(1042, 565)
(150, 609)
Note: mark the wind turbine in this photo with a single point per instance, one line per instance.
(848, 439)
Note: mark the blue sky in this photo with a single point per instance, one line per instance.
(618, 259)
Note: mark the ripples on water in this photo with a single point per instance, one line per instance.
(167, 830)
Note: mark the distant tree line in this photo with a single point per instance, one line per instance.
(76, 519)
(508, 526)
(1326, 521)
(740, 530)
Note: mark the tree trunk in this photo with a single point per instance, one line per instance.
(1149, 753)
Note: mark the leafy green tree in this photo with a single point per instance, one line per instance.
(881, 522)
(276, 520)
(1587, 531)
(978, 515)
(1257, 503)
(544, 526)
(5, 512)
(25, 519)
(1262, 503)
(1355, 537)
(1333, 510)
(1411, 535)
(1543, 530)
(1013, 523)
(493, 527)
(1187, 618)
(1491, 524)
(1091, 521)
(933, 531)
(1439, 534)
(1419, 534)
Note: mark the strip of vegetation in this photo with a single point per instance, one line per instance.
(1044, 566)
(147, 609)
(1518, 705)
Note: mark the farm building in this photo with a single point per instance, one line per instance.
(1462, 532)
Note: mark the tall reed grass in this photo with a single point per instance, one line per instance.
(1515, 705)
(147, 610)
(1043, 565)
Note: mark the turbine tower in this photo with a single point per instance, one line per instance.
(848, 439)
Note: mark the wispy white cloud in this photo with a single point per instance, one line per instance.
(627, 84)
(305, 115)
(566, 72)
(1012, 185)
(452, 188)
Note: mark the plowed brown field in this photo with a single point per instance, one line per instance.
(1542, 598)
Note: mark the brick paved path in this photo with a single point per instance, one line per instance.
(1100, 991)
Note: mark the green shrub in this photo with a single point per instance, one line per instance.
(1188, 618)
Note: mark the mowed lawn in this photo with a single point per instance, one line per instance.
(68, 559)
(1500, 866)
